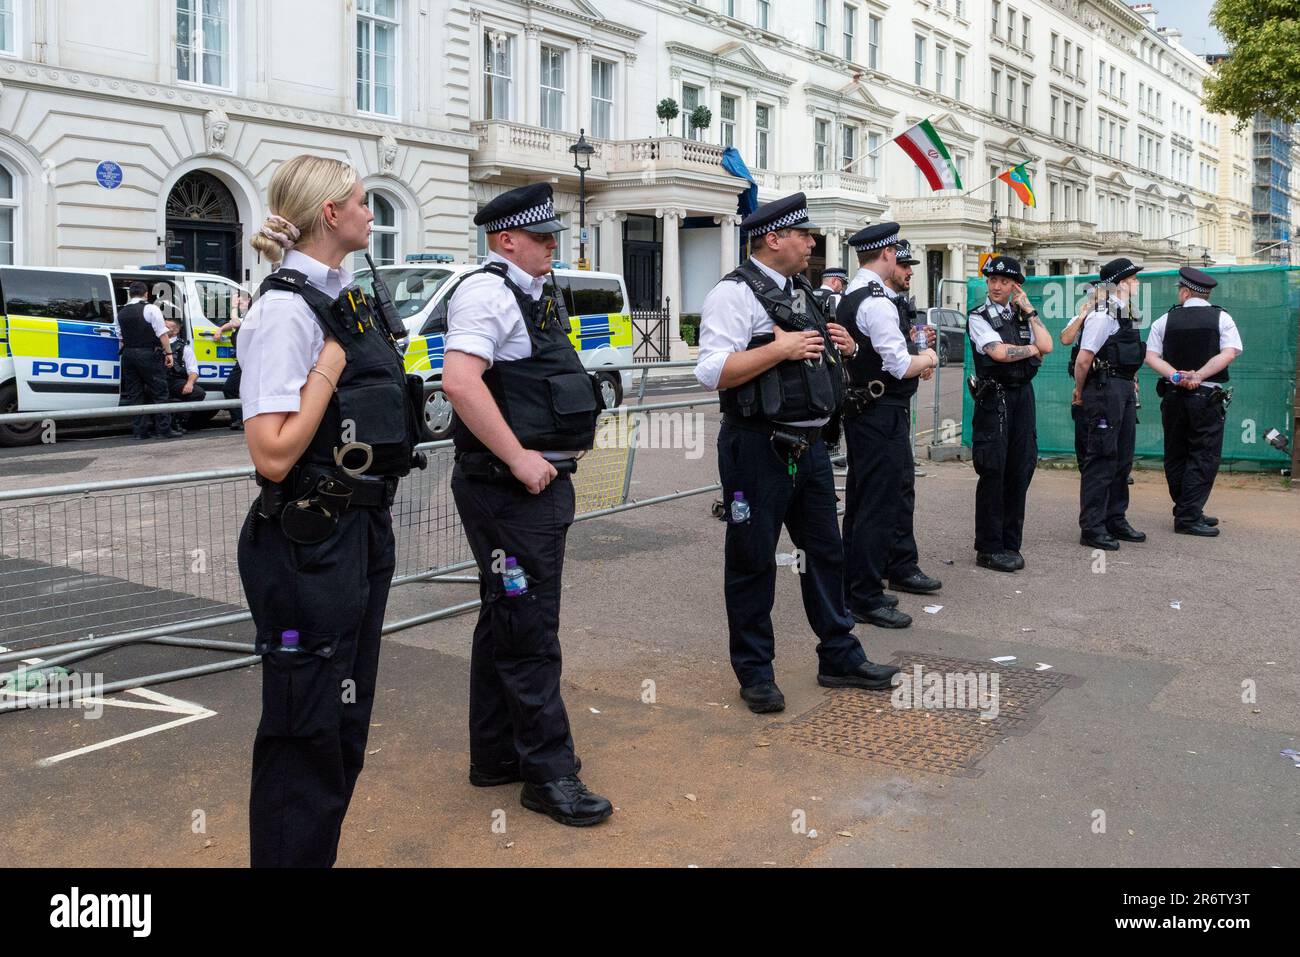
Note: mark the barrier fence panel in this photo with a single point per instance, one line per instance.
(1264, 301)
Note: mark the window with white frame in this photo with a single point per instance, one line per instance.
(821, 144)
(690, 100)
(202, 40)
(762, 13)
(958, 74)
(850, 32)
(848, 147)
(873, 160)
(602, 99)
(1024, 32)
(995, 86)
(498, 75)
(729, 7)
(821, 23)
(1011, 27)
(552, 88)
(1056, 43)
(377, 56)
(8, 28)
(1024, 103)
(8, 217)
(997, 16)
(1065, 59)
(940, 67)
(762, 134)
(919, 47)
(728, 120)
(1078, 124)
(873, 42)
(384, 231)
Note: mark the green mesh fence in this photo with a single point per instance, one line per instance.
(1265, 303)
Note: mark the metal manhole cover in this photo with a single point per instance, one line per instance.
(949, 739)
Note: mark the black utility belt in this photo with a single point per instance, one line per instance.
(333, 487)
(486, 467)
(789, 442)
(1108, 372)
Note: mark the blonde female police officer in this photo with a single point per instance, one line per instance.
(330, 424)
(525, 407)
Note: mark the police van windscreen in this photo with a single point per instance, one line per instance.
(411, 288)
(591, 295)
(70, 296)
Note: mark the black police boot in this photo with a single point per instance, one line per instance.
(1209, 520)
(1015, 557)
(1104, 541)
(918, 583)
(763, 698)
(1125, 532)
(504, 774)
(997, 561)
(1197, 528)
(566, 800)
(867, 675)
(885, 616)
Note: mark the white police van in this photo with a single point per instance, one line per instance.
(57, 346)
(600, 324)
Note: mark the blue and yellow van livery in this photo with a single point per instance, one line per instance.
(600, 329)
(58, 346)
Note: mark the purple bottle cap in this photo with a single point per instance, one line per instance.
(289, 639)
(511, 563)
(738, 497)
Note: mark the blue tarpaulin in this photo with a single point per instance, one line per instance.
(734, 165)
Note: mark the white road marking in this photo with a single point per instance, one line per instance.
(47, 762)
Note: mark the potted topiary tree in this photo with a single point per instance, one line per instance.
(667, 111)
(701, 118)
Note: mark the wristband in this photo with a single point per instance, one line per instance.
(333, 385)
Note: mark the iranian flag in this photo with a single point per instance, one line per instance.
(922, 143)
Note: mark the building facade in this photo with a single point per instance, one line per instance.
(121, 144)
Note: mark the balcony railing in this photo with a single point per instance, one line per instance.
(502, 142)
(663, 154)
(1120, 239)
(943, 208)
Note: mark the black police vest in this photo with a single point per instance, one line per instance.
(376, 403)
(865, 365)
(1017, 331)
(549, 400)
(792, 390)
(136, 331)
(177, 371)
(1192, 338)
(1124, 350)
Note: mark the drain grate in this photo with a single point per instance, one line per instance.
(865, 724)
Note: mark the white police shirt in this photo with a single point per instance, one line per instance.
(280, 339)
(730, 317)
(152, 315)
(483, 318)
(1100, 325)
(1229, 337)
(187, 359)
(978, 328)
(877, 318)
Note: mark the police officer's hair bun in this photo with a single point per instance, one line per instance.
(299, 189)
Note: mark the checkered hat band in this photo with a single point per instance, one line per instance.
(538, 214)
(1204, 290)
(879, 243)
(792, 218)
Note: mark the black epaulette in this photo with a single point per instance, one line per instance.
(288, 280)
(876, 289)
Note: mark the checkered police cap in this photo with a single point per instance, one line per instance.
(528, 217)
(875, 237)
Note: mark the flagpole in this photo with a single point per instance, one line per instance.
(885, 143)
(999, 176)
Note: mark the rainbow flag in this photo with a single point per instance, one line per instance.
(1018, 179)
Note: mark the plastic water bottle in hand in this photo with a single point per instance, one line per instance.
(514, 579)
(739, 509)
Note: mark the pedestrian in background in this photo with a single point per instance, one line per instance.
(146, 358)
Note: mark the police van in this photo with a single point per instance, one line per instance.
(58, 350)
(600, 325)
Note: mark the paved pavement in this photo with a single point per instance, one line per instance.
(1140, 716)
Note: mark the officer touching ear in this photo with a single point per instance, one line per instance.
(331, 422)
(525, 408)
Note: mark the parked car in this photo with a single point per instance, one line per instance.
(951, 325)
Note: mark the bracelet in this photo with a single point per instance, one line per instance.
(333, 384)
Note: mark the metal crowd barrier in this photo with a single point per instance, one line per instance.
(90, 567)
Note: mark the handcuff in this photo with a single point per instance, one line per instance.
(341, 453)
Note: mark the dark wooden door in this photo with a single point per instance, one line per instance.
(642, 271)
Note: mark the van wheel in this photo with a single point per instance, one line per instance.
(611, 389)
(438, 414)
(20, 433)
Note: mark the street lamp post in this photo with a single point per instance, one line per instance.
(994, 222)
(582, 151)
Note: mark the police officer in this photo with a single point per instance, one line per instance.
(1110, 354)
(775, 360)
(1007, 343)
(331, 425)
(146, 357)
(182, 374)
(828, 297)
(230, 387)
(525, 407)
(1191, 347)
(884, 370)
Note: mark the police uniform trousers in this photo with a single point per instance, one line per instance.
(880, 499)
(1080, 432)
(316, 704)
(230, 390)
(144, 382)
(1193, 424)
(516, 714)
(1004, 450)
(806, 505)
(1110, 416)
(197, 394)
